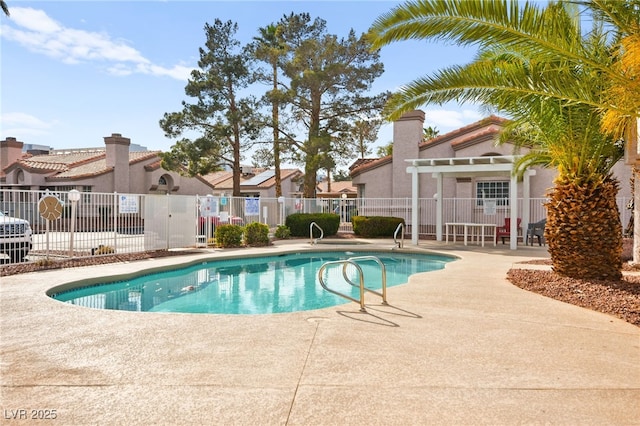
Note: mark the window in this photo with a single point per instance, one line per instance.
(162, 181)
(497, 190)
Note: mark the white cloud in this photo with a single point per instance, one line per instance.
(446, 120)
(19, 123)
(20, 118)
(39, 33)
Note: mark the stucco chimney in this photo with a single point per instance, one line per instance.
(407, 135)
(118, 158)
(10, 152)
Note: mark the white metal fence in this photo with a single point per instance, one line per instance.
(101, 223)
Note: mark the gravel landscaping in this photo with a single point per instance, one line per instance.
(620, 298)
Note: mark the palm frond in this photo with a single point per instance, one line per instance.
(550, 33)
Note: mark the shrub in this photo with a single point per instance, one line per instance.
(45, 263)
(282, 232)
(103, 250)
(229, 236)
(299, 224)
(375, 226)
(256, 234)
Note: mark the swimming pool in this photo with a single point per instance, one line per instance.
(259, 285)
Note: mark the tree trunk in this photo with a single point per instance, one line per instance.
(275, 117)
(309, 190)
(583, 230)
(636, 214)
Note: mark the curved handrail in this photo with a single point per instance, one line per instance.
(311, 233)
(398, 244)
(383, 271)
(346, 296)
(353, 261)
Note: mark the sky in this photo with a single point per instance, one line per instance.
(73, 72)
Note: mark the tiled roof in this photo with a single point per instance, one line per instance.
(224, 179)
(284, 174)
(216, 178)
(75, 165)
(337, 187)
(59, 162)
(456, 138)
(492, 119)
(368, 164)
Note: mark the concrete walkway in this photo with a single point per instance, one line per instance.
(460, 346)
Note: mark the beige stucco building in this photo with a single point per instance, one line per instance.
(102, 170)
(387, 177)
(116, 168)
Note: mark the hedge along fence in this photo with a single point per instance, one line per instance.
(299, 224)
(229, 236)
(256, 234)
(375, 226)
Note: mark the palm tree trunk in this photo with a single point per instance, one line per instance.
(583, 229)
(636, 214)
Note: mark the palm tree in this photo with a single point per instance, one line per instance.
(270, 47)
(536, 64)
(4, 7)
(429, 133)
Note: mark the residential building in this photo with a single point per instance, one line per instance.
(114, 168)
(387, 177)
(123, 167)
(256, 182)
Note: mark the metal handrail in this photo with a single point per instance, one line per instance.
(311, 233)
(360, 284)
(346, 296)
(398, 244)
(383, 271)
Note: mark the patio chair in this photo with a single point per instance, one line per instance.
(536, 230)
(504, 231)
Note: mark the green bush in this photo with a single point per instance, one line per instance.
(299, 224)
(229, 236)
(282, 232)
(256, 234)
(375, 226)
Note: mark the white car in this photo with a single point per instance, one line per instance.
(15, 237)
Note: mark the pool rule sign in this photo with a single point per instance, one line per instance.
(50, 208)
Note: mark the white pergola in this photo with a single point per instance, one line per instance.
(466, 167)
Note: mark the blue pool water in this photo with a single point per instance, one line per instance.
(261, 285)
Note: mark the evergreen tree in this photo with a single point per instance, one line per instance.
(227, 123)
(329, 78)
(269, 47)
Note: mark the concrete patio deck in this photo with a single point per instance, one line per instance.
(460, 346)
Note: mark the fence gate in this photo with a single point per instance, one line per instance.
(170, 221)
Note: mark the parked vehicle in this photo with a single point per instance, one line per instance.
(15, 237)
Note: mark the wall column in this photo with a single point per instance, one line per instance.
(118, 159)
(415, 205)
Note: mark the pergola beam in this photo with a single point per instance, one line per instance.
(468, 166)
